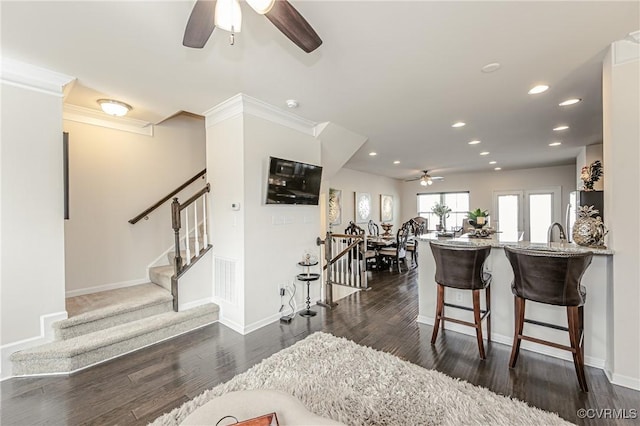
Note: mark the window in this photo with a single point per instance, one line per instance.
(526, 215)
(458, 202)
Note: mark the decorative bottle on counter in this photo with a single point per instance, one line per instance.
(589, 230)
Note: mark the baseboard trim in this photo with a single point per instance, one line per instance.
(508, 341)
(105, 287)
(46, 336)
(195, 304)
(256, 325)
(625, 381)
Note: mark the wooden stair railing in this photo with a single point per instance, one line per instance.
(166, 198)
(200, 239)
(347, 267)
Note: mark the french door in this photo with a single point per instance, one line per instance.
(525, 215)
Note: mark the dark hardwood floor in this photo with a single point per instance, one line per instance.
(137, 388)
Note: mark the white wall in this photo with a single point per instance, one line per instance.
(352, 181)
(277, 236)
(32, 211)
(113, 176)
(482, 185)
(621, 108)
(261, 243)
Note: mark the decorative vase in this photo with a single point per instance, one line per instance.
(589, 230)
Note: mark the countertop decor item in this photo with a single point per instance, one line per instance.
(442, 211)
(478, 218)
(588, 230)
(591, 174)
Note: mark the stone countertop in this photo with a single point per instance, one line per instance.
(495, 241)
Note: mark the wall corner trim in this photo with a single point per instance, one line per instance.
(242, 103)
(31, 77)
(98, 118)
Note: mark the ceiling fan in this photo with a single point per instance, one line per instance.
(227, 15)
(425, 179)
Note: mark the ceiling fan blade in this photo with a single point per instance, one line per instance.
(437, 178)
(292, 24)
(200, 24)
(413, 179)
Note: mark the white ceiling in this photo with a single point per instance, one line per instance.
(397, 72)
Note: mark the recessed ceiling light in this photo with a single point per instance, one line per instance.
(538, 89)
(492, 162)
(458, 124)
(476, 142)
(497, 168)
(373, 153)
(484, 153)
(555, 144)
(292, 103)
(570, 102)
(559, 128)
(494, 66)
(396, 162)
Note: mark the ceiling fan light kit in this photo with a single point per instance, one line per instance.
(113, 107)
(227, 14)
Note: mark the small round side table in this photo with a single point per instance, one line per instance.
(308, 277)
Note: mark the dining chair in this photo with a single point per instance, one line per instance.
(374, 229)
(393, 255)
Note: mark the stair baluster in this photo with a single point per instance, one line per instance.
(204, 221)
(196, 250)
(186, 236)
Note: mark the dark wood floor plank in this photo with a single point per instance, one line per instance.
(137, 388)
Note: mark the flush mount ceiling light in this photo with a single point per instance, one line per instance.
(555, 144)
(568, 102)
(560, 128)
(115, 108)
(484, 153)
(458, 124)
(538, 89)
(476, 142)
(492, 67)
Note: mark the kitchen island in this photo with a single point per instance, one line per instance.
(598, 318)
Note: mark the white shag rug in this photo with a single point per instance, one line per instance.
(339, 379)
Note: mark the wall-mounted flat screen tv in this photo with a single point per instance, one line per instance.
(292, 182)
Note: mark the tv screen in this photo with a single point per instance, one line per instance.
(292, 182)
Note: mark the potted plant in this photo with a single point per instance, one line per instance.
(478, 218)
(442, 211)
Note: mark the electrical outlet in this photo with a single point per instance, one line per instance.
(282, 292)
(458, 296)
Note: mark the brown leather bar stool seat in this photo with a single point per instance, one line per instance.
(552, 278)
(462, 267)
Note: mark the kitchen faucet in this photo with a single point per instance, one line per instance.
(563, 237)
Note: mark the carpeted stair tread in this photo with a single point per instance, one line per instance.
(65, 356)
(161, 275)
(149, 294)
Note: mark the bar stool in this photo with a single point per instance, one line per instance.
(552, 278)
(461, 267)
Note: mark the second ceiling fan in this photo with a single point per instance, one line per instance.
(425, 179)
(226, 14)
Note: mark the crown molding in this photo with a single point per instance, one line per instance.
(244, 104)
(27, 76)
(626, 50)
(98, 118)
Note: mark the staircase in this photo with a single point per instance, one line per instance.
(122, 321)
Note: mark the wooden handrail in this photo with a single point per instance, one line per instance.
(164, 199)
